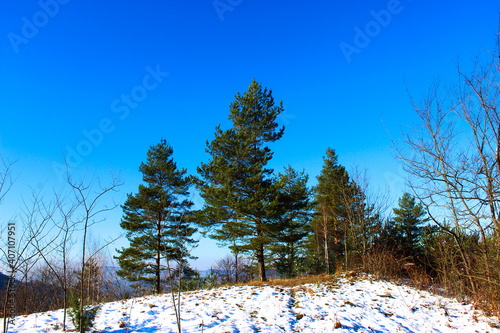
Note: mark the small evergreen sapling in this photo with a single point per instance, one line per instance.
(83, 320)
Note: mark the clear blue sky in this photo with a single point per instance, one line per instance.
(128, 73)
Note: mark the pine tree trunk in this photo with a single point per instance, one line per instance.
(158, 258)
(327, 253)
(260, 252)
(260, 263)
(325, 242)
(236, 275)
(158, 273)
(292, 266)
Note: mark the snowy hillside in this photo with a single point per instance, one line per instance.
(346, 305)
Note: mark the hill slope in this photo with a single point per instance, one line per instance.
(350, 305)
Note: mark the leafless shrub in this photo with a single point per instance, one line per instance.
(382, 264)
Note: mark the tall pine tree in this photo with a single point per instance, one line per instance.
(156, 219)
(237, 186)
(329, 224)
(345, 223)
(293, 226)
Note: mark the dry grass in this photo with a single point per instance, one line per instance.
(292, 282)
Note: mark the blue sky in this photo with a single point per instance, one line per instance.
(98, 82)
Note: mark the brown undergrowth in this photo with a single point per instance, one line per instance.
(292, 282)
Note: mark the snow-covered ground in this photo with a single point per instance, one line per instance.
(344, 305)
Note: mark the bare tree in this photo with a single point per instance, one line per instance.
(59, 245)
(226, 269)
(89, 196)
(365, 207)
(231, 269)
(6, 180)
(35, 218)
(453, 158)
(45, 237)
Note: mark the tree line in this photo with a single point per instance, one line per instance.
(444, 230)
(273, 218)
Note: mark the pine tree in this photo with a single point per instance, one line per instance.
(331, 211)
(293, 226)
(156, 219)
(345, 223)
(407, 227)
(238, 189)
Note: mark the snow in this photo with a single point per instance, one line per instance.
(342, 305)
